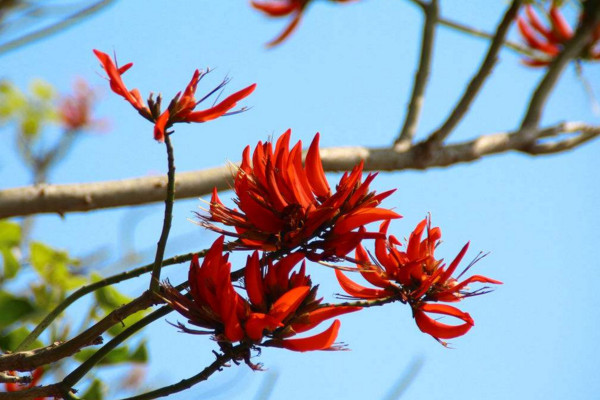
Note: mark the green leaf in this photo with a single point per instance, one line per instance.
(13, 309)
(10, 238)
(109, 298)
(10, 263)
(52, 266)
(140, 355)
(42, 90)
(95, 391)
(10, 341)
(10, 234)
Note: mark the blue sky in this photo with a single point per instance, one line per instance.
(347, 73)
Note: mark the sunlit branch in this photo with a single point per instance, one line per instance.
(479, 78)
(91, 196)
(411, 122)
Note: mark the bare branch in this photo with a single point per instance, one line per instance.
(409, 128)
(571, 50)
(484, 35)
(584, 135)
(91, 196)
(30, 360)
(55, 28)
(477, 81)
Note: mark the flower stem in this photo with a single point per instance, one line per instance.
(217, 365)
(162, 242)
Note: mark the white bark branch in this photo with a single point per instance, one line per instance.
(62, 199)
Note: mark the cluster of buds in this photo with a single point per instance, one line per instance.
(287, 214)
(548, 41)
(182, 106)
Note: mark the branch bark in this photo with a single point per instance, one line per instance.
(62, 199)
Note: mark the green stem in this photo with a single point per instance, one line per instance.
(162, 242)
(366, 303)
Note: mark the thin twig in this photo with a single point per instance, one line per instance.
(484, 35)
(571, 50)
(55, 28)
(217, 365)
(79, 293)
(70, 380)
(473, 88)
(417, 99)
(30, 360)
(164, 235)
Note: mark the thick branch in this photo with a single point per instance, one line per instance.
(477, 81)
(70, 198)
(417, 99)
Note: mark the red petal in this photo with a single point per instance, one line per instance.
(289, 302)
(362, 217)
(358, 291)
(276, 9)
(314, 170)
(437, 329)
(221, 108)
(321, 341)
(254, 282)
(560, 24)
(257, 323)
(448, 273)
(322, 314)
(287, 31)
(160, 125)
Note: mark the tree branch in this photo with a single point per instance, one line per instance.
(571, 50)
(55, 28)
(91, 196)
(477, 81)
(79, 293)
(30, 360)
(411, 122)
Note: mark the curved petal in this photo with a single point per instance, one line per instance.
(358, 291)
(289, 302)
(437, 329)
(314, 170)
(314, 318)
(321, 341)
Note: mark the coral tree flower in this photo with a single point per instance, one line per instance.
(182, 106)
(416, 277)
(75, 110)
(546, 41)
(279, 304)
(284, 204)
(285, 8)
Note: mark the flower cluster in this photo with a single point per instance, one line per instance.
(416, 277)
(546, 41)
(285, 8)
(182, 106)
(279, 304)
(287, 210)
(284, 205)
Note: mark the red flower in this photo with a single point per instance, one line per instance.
(75, 110)
(416, 277)
(279, 305)
(547, 42)
(284, 8)
(36, 375)
(284, 205)
(181, 108)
